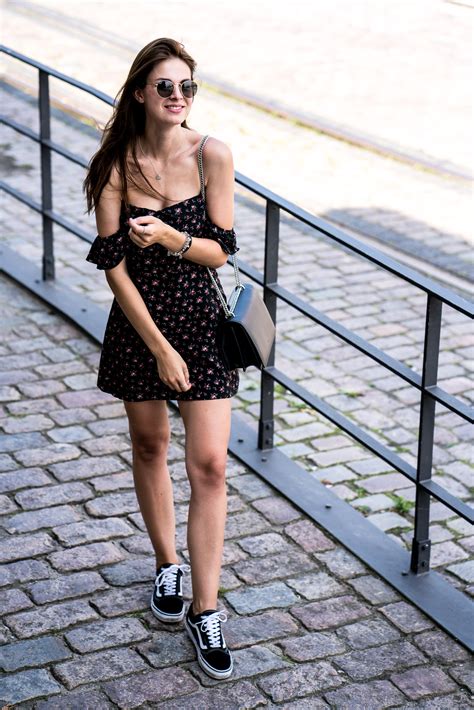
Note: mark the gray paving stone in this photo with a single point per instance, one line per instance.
(13, 600)
(23, 571)
(447, 552)
(277, 510)
(388, 521)
(252, 599)
(151, 687)
(66, 417)
(84, 398)
(130, 571)
(249, 630)
(300, 681)
(308, 536)
(341, 563)
(264, 569)
(23, 546)
(32, 422)
(106, 445)
(250, 486)
(23, 478)
(113, 504)
(54, 495)
(464, 674)
(45, 518)
(309, 703)
(376, 695)
(7, 505)
(406, 617)
(374, 503)
(19, 442)
(312, 646)
(322, 615)
(66, 586)
(240, 524)
(51, 618)
(371, 662)
(104, 634)
(255, 660)
(374, 590)
(103, 665)
(92, 530)
(316, 585)
(113, 482)
(7, 463)
(70, 434)
(47, 454)
(34, 406)
(36, 652)
(440, 647)
(418, 682)
(453, 701)
(86, 556)
(385, 482)
(163, 650)
(265, 544)
(87, 467)
(463, 570)
(241, 694)
(20, 687)
(87, 700)
(368, 632)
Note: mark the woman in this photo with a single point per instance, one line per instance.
(161, 222)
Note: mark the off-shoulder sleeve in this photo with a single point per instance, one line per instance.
(107, 252)
(225, 237)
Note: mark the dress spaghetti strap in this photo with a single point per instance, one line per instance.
(201, 170)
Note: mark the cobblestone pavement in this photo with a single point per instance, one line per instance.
(309, 625)
(411, 210)
(399, 71)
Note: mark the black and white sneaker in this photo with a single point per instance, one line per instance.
(206, 634)
(167, 599)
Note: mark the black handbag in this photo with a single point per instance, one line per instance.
(246, 332)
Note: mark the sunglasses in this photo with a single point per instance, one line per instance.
(165, 88)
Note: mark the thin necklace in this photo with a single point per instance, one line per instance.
(157, 175)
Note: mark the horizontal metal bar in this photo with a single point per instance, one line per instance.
(55, 147)
(455, 504)
(348, 335)
(344, 423)
(58, 75)
(451, 402)
(54, 216)
(90, 317)
(431, 593)
(19, 128)
(366, 251)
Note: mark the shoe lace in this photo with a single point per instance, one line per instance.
(211, 625)
(168, 577)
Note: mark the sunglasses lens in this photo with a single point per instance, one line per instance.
(189, 88)
(165, 88)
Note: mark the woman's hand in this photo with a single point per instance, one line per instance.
(173, 371)
(147, 230)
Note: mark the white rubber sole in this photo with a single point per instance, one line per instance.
(218, 675)
(167, 618)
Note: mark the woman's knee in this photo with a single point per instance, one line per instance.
(207, 471)
(150, 448)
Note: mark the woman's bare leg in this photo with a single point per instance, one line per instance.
(150, 433)
(207, 425)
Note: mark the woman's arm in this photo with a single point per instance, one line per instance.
(172, 369)
(219, 166)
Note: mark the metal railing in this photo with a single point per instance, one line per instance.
(426, 383)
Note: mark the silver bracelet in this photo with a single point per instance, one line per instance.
(184, 248)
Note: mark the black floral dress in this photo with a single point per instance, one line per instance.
(181, 300)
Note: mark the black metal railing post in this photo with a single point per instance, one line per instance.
(421, 545)
(46, 175)
(270, 276)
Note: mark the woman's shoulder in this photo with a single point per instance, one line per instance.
(217, 154)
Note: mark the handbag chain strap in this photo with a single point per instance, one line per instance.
(239, 286)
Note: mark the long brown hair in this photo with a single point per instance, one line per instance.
(127, 124)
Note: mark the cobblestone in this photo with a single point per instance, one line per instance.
(302, 680)
(104, 634)
(94, 667)
(23, 478)
(27, 685)
(92, 530)
(43, 518)
(24, 546)
(54, 495)
(252, 599)
(37, 652)
(86, 556)
(376, 695)
(368, 632)
(418, 682)
(64, 587)
(51, 618)
(151, 687)
(331, 612)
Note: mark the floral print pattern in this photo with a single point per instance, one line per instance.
(181, 300)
